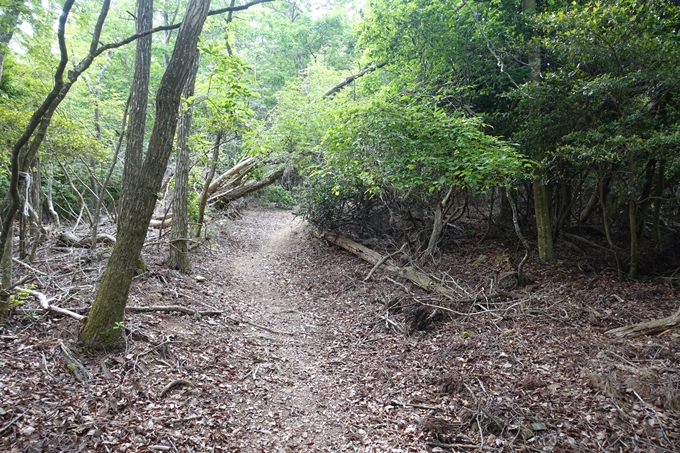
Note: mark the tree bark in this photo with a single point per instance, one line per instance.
(103, 330)
(203, 201)
(178, 256)
(139, 99)
(543, 229)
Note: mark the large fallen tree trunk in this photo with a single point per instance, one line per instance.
(653, 327)
(250, 186)
(408, 272)
(239, 169)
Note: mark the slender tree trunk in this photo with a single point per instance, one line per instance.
(203, 201)
(540, 189)
(656, 234)
(543, 230)
(6, 280)
(103, 190)
(440, 214)
(103, 329)
(139, 98)
(178, 257)
(645, 198)
(632, 218)
(23, 153)
(605, 221)
(50, 205)
(8, 24)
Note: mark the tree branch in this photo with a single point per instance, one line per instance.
(136, 36)
(353, 77)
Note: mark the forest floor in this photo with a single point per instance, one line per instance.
(306, 356)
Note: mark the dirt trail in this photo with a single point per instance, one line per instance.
(300, 408)
(322, 361)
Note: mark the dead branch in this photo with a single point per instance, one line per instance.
(30, 268)
(419, 406)
(408, 272)
(44, 303)
(71, 240)
(9, 424)
(268, 329)
(173, 384)
(653, 327)
(382, 261)
(173, 309)
(352, 78)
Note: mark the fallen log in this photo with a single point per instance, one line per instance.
(242, 167)
(410, 273)
(653, 327)
(245, 189)
(71, 240)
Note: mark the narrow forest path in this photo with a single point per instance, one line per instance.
(319, 361)
(308, 382)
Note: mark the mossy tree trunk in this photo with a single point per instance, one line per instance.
(103, 329)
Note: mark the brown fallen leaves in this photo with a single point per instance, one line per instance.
(532, 371)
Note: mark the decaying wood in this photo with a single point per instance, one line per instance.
(72, 240)
(654, 327)
(73, 364)
(44, 303)
(242, 167)
(248, 187)
(162, 222)
(175, 383)
(408, 272)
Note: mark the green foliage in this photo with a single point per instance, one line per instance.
(406, 147)
(278, 196)
(192, 206)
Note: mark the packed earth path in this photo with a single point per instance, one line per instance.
(296, 350)
(297, 361)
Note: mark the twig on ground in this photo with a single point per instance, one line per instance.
(418, 406)
(173, 384)
(9, 424)
(381, 261)
(268, 329)
(173, 309)
(29, 267)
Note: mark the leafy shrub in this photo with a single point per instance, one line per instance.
(278, 196)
